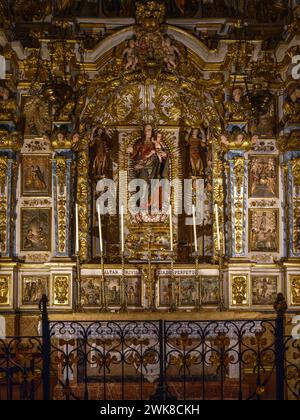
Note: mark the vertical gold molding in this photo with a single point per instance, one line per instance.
(3, 204)
(296, 203)
(218, 189)
(239, 172)
(61, 167)
(82, 201)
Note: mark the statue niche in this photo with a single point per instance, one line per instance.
(100, 148)
(149, 160)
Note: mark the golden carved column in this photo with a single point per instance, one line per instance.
(219, 196)
(83, 200)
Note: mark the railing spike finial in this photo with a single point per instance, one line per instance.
(280, 305)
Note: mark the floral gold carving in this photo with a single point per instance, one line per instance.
(295, 290)
(4, 290)
(239, 290)
(61, 290)
(239, 172)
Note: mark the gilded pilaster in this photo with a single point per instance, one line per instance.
(82, 201)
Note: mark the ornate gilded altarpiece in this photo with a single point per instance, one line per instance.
(152, 98)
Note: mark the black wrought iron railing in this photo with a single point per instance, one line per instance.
(153, 360)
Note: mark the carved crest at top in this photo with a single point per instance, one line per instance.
(150, 15)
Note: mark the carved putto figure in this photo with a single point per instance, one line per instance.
(197, 152)
(130, 55)
(238, 139)
(171, 53)
(237, 109)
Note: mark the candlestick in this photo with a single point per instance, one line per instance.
(195, 229)
(100, 229)
(77, 230)
(122, 229)
(171, 227)
(218, 228)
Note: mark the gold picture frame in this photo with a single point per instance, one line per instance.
(294, 290)
(36, 175)
(61, 290)
(264, 290)
(33, 287)
(36, 229)
(266, 187)
(262, 237)
(5, 285)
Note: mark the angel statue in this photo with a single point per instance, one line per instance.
(130, 55)
(196, 141)
(171, 53)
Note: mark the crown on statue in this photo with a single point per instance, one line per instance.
(151, 11)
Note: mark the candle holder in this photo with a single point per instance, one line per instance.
(151, 282)
(174, 297)
(124, 291)
(221, 307)
(78, 306)
(104, 307)
(198, 307)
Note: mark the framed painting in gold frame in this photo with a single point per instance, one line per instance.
(264, 230)
(32, 289)
(210, 290)
(188, 292)
(263, 176)
(294, 290)
(35, 229)
(264, 290)
(91, 291)
(5, 285)
(36, 176)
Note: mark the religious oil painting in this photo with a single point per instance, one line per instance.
(263, 177)
(91, 291)
(189, 291)
(36, 175)
(264, 235)
(264, 290)
(113, 291)
(36, 230)
(210, 291)
(165, 291)
(4, 290)
(134, 291)
(33, 288)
